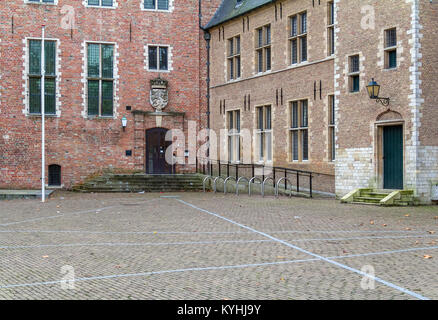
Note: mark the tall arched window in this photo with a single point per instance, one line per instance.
(54, 175)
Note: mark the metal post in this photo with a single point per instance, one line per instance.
(43, 118)
(219, 167)
(285, 180)
(310, 182)
(228, 169)
(298, 182)
(274, 176)
(237, 172)
(253, 171)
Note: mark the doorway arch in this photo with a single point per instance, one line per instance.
(156, 146)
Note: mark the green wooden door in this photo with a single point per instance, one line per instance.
(393, 157)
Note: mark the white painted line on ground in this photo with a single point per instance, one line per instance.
(208, 232)
(122, 244)
(207, 268)
(72, 213)
(343, 266)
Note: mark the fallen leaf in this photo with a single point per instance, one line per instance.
(426, 256)
(436, 218)
(155, 232)
(45, 257)
(432, 242)
(407, 215)
(371, 222)
(385, 225)
(431, 232)
(408, 229)
(417, 242)
(281, 279)
(280, 257)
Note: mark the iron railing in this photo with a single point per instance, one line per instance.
(301, 180)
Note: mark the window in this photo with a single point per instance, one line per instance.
(41, 1)
(330, 28)
(264, 133)
(391, 48)
(35, 77)
(234, 64)
(263, 49)
(354, 75)
(54, 175)
(331, 128)
(299, 128)
(100, 3)
(298, 38)
(156, 4)
(234, 135)
(158, 58)
(100, 80)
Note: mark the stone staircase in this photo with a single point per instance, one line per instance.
(381, 197)
(139, 182)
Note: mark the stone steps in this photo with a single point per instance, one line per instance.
(380, 197)
(141, 183)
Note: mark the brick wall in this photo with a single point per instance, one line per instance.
(81, 145)
(295, 82)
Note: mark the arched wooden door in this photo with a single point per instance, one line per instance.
(156, 146)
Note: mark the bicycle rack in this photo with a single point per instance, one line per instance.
(252, 181)
(264, 182)
(215, 183)
(205, 180)
(225, 183)
(278, 184)
(237, 184)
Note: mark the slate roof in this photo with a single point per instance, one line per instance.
(229, 9)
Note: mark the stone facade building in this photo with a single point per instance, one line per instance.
(295, 74)
(291, 73)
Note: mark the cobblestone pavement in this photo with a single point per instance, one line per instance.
(210, 246)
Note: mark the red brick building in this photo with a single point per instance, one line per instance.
(101, 56)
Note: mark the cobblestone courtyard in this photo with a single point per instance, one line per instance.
(207, 246)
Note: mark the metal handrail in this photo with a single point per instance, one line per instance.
(237, 184)
(205, 180)
(252, 181)
(278, 184)
(264, 182)
(225, 183)
(215, 183)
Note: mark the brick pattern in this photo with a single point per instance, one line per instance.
(81, 145)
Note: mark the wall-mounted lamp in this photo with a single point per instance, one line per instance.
(124, 123)
(373, 91)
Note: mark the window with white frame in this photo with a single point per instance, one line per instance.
(158, 58)
(101, 3)
(35, 75)
(100, 79)
(42, 1)
(234, 135)
(299, 130)
(264, 133)
(156, 5)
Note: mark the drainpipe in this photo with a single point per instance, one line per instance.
(207, 37)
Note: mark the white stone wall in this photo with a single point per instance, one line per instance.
(354, 169)
(427, 175)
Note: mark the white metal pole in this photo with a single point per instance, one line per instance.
(43, 116)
